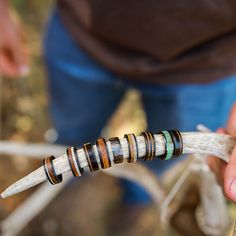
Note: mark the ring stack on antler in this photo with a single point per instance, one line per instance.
(101, 153)
(164, 145)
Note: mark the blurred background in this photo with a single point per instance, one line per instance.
(85, 206)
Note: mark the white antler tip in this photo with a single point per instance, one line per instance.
(3, 195)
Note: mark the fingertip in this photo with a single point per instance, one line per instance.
(230, 177)
(230, 189)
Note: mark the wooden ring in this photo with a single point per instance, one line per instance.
(178, 142)
(116, 150)
(133, 147)
(103, 153)
(50, 171)
(79, 169)
(91, 157)
(72, 162)
(153, 145)
(150, 145)
(181, 141)
(146, 156)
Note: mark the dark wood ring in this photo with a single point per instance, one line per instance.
(103, 153)
(91, 157)
(178, 142)
(116, 150)
(145, 157)
(50, 171)
(153, 145)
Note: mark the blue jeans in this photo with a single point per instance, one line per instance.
(84, 95)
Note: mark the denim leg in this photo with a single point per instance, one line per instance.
(182, 107)
(81, 109)
(83, 95)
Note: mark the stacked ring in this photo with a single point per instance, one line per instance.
(169, 145)
(74, 161)
(116, 150)
(103, 153)
(91, 157)
(153, 145)
(133, 147)
(150, 146)
(178, 142)
(76, 158)
(50, 171)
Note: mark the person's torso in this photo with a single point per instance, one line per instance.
(192, 40)
(163, 28)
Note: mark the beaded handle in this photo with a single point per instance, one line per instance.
(173, 148)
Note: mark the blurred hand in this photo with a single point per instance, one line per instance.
(226, 172)
(13, 56)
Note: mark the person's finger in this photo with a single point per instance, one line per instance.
(20, 59)
(230, 169)
(6, 66)
(231, 125)
(13, 62)
(230, 177)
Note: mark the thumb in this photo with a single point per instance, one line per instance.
(231, 125)
(230, 177)
(230, 168)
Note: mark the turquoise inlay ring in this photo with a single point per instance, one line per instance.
(169, 144)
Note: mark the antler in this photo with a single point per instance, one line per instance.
(164, 145)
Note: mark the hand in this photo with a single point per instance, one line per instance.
(226, 172)
(13, 56)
